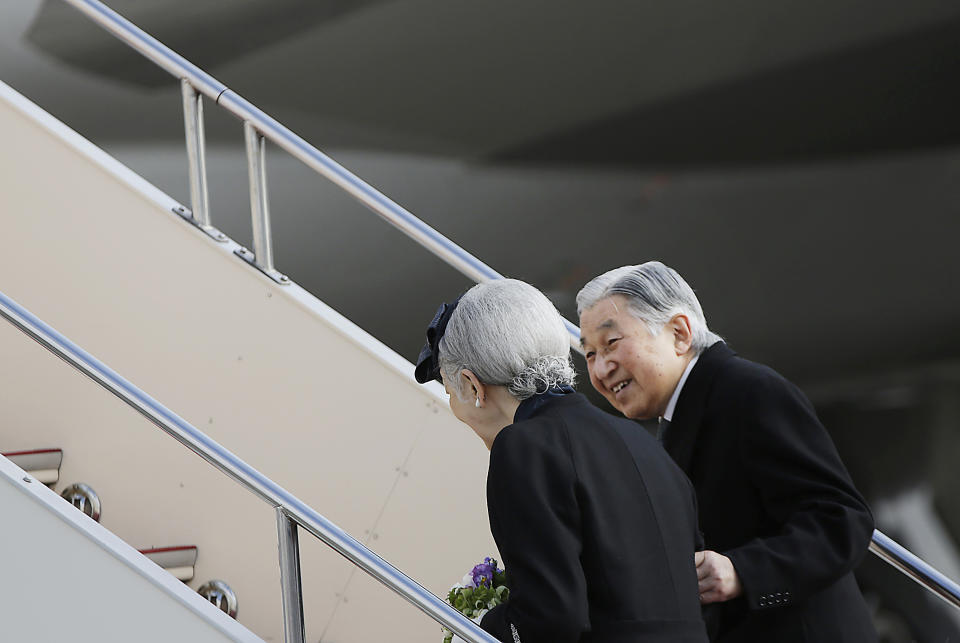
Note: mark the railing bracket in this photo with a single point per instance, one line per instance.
(209, 230)
(250, 258)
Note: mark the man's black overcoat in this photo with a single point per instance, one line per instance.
(597, 529)
(776, 499)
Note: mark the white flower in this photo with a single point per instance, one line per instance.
(467, 580)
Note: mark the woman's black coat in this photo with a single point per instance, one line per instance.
(597, 529)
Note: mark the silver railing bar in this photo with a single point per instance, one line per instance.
(290, 586)
(196, 153)
(259, 205)
(164, 57)
(387, 209)
(403, 220)
(915, 568)
(181, 68)
(254, 481)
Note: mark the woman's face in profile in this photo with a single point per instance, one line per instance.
(463, 411)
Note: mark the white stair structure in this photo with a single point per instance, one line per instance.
(266, 369)
(66, 578)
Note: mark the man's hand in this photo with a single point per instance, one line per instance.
(718, 578)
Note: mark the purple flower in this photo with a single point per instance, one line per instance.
(482, 574)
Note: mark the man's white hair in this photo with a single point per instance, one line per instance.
(509, 334)
(654, 294)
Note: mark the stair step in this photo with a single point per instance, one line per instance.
(42, 464)
(179, 560)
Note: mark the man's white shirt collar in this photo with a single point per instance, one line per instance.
(672, 404)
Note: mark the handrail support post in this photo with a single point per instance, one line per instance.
(196, 152)
(290, 585)
(259, 209)
(262, 255)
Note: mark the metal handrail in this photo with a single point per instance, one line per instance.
(912, 566)
(258, 126)
(272, 130)
(289, 508)
(292, 512)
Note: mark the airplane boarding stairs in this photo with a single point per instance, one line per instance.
(257, 362)
(66, 578)
(291, 386)
(43, 466)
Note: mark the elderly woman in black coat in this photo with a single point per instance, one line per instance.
(595, 524)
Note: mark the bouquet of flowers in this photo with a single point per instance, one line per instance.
(481, 589)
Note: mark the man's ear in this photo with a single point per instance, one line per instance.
(679, 325)
(475, 385)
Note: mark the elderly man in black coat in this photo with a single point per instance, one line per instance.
(784, 524)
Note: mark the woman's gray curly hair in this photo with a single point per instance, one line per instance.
(509, 334)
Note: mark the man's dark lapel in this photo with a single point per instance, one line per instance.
(681, 437)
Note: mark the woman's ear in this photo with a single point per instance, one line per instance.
(682, 333)
(476, 387)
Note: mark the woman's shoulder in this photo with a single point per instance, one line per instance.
(538, 431)
(543, 436)
(557, 426)
(528, 453)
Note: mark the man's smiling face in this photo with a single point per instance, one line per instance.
(637, 372)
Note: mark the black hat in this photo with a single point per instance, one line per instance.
(428, 368)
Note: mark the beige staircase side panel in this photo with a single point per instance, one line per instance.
(268, 371)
